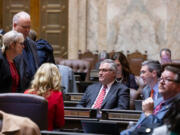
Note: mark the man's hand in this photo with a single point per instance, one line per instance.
(148, 106)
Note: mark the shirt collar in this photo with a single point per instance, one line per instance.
(110, 84)
(156, 87)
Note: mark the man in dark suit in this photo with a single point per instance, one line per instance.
(154, 112)
(116, 95)
(150, 73)
(28, 62)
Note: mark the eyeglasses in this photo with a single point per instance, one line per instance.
(105, 70)
(25, 27)
(21, 43)
(166, 80)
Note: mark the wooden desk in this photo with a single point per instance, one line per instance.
(45, 132)
(73, 96)
(74, 116)
(70, 103)
(75, 112)
(72, 99)
(121, 115)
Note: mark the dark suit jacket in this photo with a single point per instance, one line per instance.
(5, 75)
(23, 64)
(117, 97)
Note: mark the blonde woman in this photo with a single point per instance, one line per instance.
(11, 46)
(47, 83)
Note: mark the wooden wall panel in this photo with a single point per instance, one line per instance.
(1, 14)
(34, 12)
(11, 7)
(49, 18)
(54, 25)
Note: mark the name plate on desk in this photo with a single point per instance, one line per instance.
(126, 115)
(123, 116)
(76, 113)
(73, 96)
(79, 112)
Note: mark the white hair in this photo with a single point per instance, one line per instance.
(19, 15)
(10, 37)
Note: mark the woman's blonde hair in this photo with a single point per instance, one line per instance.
(46, 78)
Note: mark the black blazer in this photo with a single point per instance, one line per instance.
(5, 75)
(117, 97)
(22, 65)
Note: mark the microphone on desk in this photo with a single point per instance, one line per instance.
(99, 114)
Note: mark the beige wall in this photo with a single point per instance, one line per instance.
(123, 25)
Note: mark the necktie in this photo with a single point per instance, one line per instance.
(158, 107)
(152, 94)
(100, 98)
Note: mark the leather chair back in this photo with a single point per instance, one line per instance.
(135, 59)
(78, 66)
(26, 105)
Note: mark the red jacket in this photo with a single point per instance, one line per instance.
(55, 110)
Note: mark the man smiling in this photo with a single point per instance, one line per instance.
(154, 112)
(107, 93)
(28, 62)
(150, 73)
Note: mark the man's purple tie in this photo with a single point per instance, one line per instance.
(100, 98)
(158, 107)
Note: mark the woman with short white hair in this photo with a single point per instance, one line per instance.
(12, 46)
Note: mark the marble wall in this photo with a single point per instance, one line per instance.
(121, 25)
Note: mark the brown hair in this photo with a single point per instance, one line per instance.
(175, 68)
(126, 71)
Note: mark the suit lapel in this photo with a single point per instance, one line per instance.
(33, 51)
(109, 95)
(96, 92)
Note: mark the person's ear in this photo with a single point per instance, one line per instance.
(154, 73)
(14, 25)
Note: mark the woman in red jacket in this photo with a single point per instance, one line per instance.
(47, 83)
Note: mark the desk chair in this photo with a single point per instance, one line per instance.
(26, 105)
(135, 59)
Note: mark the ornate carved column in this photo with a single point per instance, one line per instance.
(102, 25)
(77, 27)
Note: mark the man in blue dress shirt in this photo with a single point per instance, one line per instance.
(150, 73)
(169, 88)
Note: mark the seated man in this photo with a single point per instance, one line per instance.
(171, 121)
(107, 93)
(169, 88)
(150, 73)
